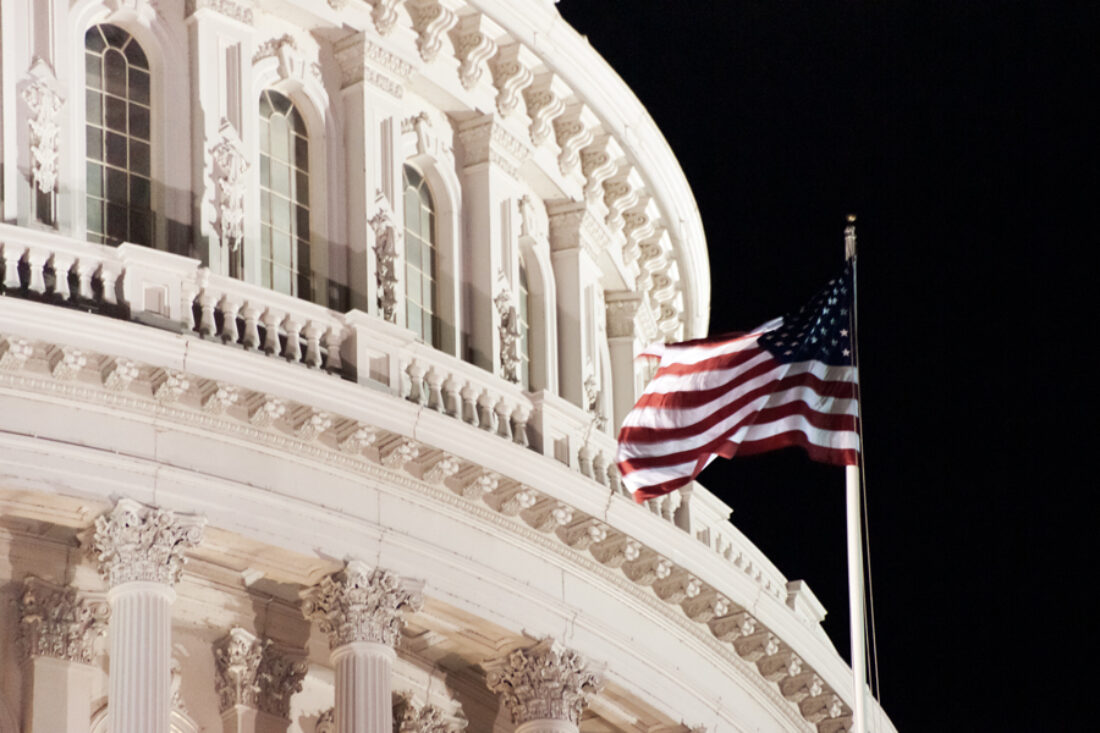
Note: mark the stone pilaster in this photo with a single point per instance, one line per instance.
(140, 553)
(255, 681)
(361, 609)
(59, 628)
(545, 687)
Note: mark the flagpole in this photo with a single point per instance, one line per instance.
(855, 541)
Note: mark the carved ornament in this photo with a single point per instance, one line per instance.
(136, 542)
(230, 185)
(59, 622)
(430, 21)
(44, 102)
(385, 252)
(238, 11)
(360, 604)
(543, 682)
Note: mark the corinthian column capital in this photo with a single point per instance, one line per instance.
(543, 682)
(360, 604)
(237, 659)
(58, 622)
(135, 542)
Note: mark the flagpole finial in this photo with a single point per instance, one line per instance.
(850, 238)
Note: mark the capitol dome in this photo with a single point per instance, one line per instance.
(318, 318)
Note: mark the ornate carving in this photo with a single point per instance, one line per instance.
(44, 102)
(314, 424)
(472, 47)
(230, 185)
(543, 106)
(405, 451)
(572, 135)
(543, 682)
(169, 385)
(135, 542)
(266, 411)
(59, 622)
(229, 8)
(443, 469)
(620, 316)
(175, 685)
(360, 604)
(326, 722)
(597, 165)
(510, 77)
(279, 676)
(384, 15)
(430, 20)
(482, 483)
(411, 718)
(272, 46)
(385, 252)
(508, 328)
(360, 438)
(526, 216)
(220, 398)
(66, 362)
(237, 659)
(119, 374)
(14, 353)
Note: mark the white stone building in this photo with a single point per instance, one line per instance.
(317, 319)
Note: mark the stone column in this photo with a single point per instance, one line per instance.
(545, 687)
(254, 681)
(140, 553)
(59, 629)
(361, 610)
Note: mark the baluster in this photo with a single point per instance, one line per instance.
(469, 405)
(333, 339)
(9, 262)
(435, 389)
(36, 265)
(452, 402)
(485, 410)
(207, 323)
(61, 265)
(251, 339)
(599, 469)
(108, 281)
(312, 333)
(293, 350)
(519, 429)
(504, 426)
(229, 308)
(271, 336)
(84, 272)
(584, 459)
(188, 292)
(415, 373)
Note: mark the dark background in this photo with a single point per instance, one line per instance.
(952, 131)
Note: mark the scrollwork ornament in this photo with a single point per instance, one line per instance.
(360, 604)
(385, 250)
(135, 542)
(44, 103)
(543, 682)
(59, 622)
(231, 186)
(509, 332)
(236, 664)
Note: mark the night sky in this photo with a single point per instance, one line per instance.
(946, 127)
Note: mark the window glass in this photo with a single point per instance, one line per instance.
(284, 196)
(420, 258)
(118, 127)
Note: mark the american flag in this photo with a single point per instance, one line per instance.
(790, 382)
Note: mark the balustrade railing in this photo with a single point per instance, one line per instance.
(178, 293)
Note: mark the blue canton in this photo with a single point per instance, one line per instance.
(820, 330)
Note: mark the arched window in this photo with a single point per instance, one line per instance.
(523, 313)
(421, 315)
(119, 182)
(284, 197)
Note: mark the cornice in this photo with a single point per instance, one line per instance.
(618, 559)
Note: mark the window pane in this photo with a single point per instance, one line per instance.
(301, 188)
(280, 213)
(412, 282)
(265, 107)
(280, 103)
(280, 139)
(280, 178)
(412, 251)
(282, 280)
(140, 227)
(93, 180)
(116, 149)
(415, 318)
(93, 71)
(265, 171)
(412, 176)
(139, 192)
(116, 186)
(296, 121)
(280, 243)
(139, 86)
(139, 121)
(427, 226)
(412, 210)
(116, 114)
(114, 68)
(428, 300)
(265, 242)
(139, 157)
(93, 141)
(265, 140)
(303, 258)
(115, 36)
(116, 222)
(93, 111)
(301, 153)
(428, 328)
(93, 40)
(265, 206)
(135, 55)
(302, 224)
(95, 216)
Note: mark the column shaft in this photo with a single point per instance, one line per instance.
(141, 648)
(547, 726)
(363, 687)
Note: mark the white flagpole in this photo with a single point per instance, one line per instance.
(855, 549)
